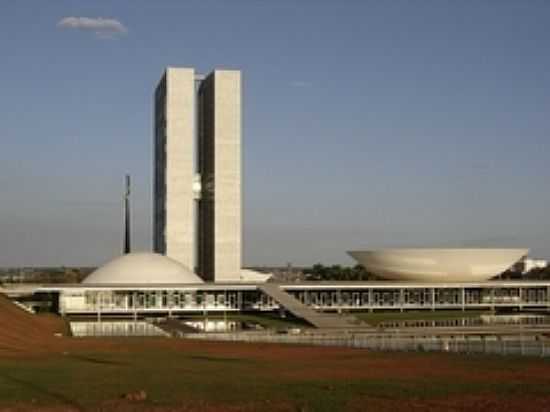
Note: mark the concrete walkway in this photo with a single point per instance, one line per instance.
(316, 319)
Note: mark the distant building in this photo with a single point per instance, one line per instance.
(528, 264)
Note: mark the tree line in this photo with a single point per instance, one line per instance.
(319, 272)
(539, 273)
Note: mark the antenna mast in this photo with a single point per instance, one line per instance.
(127, 216)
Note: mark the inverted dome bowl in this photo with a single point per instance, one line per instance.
(438, 265)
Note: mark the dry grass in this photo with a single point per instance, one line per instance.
(41, 372)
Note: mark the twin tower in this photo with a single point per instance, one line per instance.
(197, 183)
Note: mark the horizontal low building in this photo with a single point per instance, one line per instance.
(180, 299)
(123, 288)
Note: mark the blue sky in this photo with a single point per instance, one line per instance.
(366, 123)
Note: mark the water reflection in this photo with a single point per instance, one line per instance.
(507, 345)
(482, 320)
(488, 344)
(115, 328)
(144, 328)
(221, 325)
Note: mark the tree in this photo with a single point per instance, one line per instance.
(319, 272)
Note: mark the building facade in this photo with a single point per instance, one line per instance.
(321, 296)
(197, 163)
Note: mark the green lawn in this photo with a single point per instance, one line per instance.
(310, 379)
(272, 321)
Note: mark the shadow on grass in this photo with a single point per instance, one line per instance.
(218, 359)
(43, 391)
(96, 360)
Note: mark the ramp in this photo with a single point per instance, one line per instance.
(298, 309)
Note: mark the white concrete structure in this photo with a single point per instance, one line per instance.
(141, 269)
(173, 299)
(438, 265)
(220, 169)
(253, 276)
(173, 204)
(197, 185)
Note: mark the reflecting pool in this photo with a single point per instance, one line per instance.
(475, 321)
(115, 328)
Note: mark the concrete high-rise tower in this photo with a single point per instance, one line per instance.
(220, 169)
(175, 113)
(197, 185)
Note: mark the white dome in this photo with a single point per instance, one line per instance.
(141, 269)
